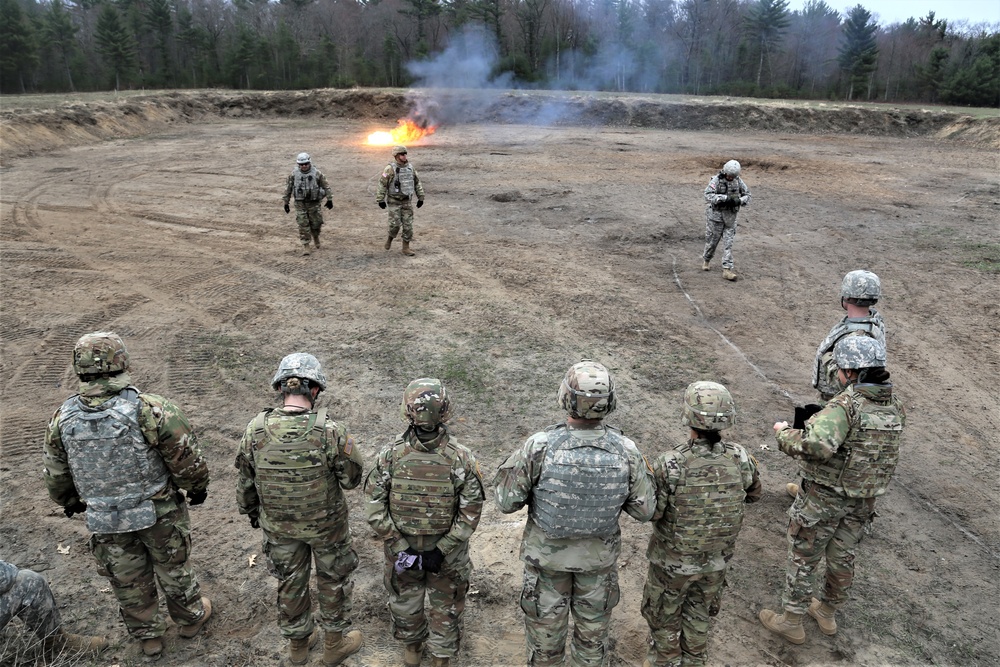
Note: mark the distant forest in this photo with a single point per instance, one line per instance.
(755, 48)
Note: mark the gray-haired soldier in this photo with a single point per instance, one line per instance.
(724, 196)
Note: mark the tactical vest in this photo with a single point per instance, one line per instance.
(403, 184)
(706, 512)
(293, 477)
(115, 470)
(306, 186)
(582, 486)
(422, 498)
(868, 326)
(863, 465)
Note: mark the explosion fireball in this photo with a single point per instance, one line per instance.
(405, 132)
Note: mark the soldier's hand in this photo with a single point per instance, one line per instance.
(329, 203)
(432, 560)
(254, 521)
(381, 204)
(197, 497)
(721, 199)
(420, 202)
(75, 507)
(288, 209)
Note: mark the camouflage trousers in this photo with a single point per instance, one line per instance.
(30, 599)
(549, 597)
(309, 218)
(136, 562)
(290, 562)
(400, 216)
(716, 230)
(677, 610)
(438, 621)
(822, 524)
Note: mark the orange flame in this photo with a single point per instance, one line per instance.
(406, 132)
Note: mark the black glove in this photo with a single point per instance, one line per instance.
(329, 203)
(803, 414)
(432, 560)
(254, 521)
(75, 507)
(420, 202)
(197, 497)
(288, 209)
(381, 204)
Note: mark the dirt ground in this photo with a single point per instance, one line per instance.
(539, 245)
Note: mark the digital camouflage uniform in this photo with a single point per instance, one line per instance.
(700, 491)
(308, 191)
(134, 561)
(27, 595)
(569, 575)
(825, 378)
(422, 495)
(293, 465)
(848, 453)
(720, 216)
(398, 196)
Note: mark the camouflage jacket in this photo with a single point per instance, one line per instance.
(388, 176)
(8, 572)
(720, 186)
(667, 475)
(824, 369)
(519, 475)
(465, 477)
(343, 457)
(320, 182)
(165, 429)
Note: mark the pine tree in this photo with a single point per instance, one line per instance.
(18, 50)
(115, 44)
(61, 33)
(768, 20)
(859, 53)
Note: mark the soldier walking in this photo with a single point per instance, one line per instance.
(308, 186)
(701, 487)
(575, 478)
(724, 196)
(425, 496)
(121, 456)
(294, 463)
(397, 187)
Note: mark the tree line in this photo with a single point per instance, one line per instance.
(756, 48)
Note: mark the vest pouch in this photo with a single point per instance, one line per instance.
(108, 515)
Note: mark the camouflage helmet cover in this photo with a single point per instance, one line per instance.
(397, 150)
(863, 286)
(732, 168)
(425, 403)
(99, 353)
(303, 158)
(854, 352)
(708, 406)
(588, 391)
(299, 365)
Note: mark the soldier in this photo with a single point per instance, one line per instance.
(396, 187)
(700, 490)
(575, 478)
(848, 453)
(27, 595)
(724, 196)
(120, 457)
(425, 497)
(308, 185)
(293, 462)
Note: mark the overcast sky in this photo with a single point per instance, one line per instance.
(897, 11)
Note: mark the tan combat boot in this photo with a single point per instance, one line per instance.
(305, 248)
(412, 653)
(825, 616)
(792, 489)
(298, 649)
(337, 646)
(388, 243)
(73, 645)
(406, 249)
(189, 631)
(440, 662)
(152, 647)
(705, 266)
(728, 274)
(788, 625)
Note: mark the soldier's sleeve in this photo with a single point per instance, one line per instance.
(418, 187)
(168, 431)
(823, 434)
(383, 183)
(58, 478)
(641, 502)
(750, 475)
(710, 191)
(471, 496)
(518, 475)
(289, 184)
(744, 194)
(378, 484)
(348, 465)
(666, 474)
(246, 489)
(325, 185)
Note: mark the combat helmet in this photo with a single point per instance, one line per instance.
(588, 391)
(396, 150)
(862, 286)
(856, 352)
(100, 353)
(300, 365)
(303, 158)
(732, 168)
(708, 406)
(425, 403)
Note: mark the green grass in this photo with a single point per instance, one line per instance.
(985, 257)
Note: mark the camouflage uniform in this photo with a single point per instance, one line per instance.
(308, 213)
(136, 560)
(387, 488)
(720, 218)
(685, 582)
(27, 595)
(577, 575)
(825, 370)
(399, 204)
(302, 511)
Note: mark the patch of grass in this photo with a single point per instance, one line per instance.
(986, 257)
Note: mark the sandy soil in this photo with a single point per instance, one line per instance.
(538, 245)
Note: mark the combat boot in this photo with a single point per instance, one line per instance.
(406, 249)
(788, 625)
(440, 662)
(728, 274)
(298, 648)
(189, 631)
(316, 240)
(70, 644)
(388, 243)
(412, 653)
(152, 647)
(792, 489)
(825, 616)
(337, 646)
(305, 248)
(705, 266)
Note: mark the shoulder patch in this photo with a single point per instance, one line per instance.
(349, 445)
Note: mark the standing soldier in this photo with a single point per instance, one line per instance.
(425, 497)
(120, 457)
(724, 196)
(396, 188)
(700, 490)
(293, 462)
(308, 186)
(848, 453)
(575, 478)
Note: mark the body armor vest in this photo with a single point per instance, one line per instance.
(306, 186)
(293, 477)
(422, 498)
(864, 464)
(583, 484)
(706, 512)
(403, 184)
(114, 469)
(868, 326)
